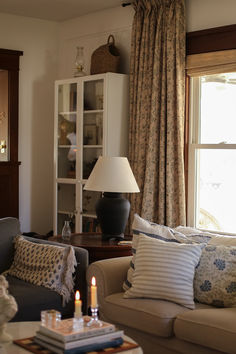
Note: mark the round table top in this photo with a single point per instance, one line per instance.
(19, 330)
(93, 241)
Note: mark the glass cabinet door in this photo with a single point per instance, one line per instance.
(66, 205)
(93, 116)
(92, 124)
(4, 145)
(67, 130)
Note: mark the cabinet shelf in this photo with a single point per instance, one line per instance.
(89, 215)
(65, 212)
(68, 146)
(92, 146)
(66, 180)
(93, 111)
(67, 113)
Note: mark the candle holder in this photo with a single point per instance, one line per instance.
(78, 322)
(94, 321)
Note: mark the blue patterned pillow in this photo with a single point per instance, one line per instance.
(215, 276)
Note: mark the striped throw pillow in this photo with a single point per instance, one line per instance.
(152, 230)
(164, 270)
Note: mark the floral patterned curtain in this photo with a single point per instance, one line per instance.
(157, 103)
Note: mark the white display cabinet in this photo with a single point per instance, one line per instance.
(91, 120)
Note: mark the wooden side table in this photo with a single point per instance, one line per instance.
(97, 248)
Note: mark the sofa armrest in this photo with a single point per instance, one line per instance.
(110, 275)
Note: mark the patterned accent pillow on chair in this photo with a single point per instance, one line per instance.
(215, 276)
(44, 265)
(153, 230)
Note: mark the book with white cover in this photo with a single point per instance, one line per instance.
(65, 332)
(80, 342)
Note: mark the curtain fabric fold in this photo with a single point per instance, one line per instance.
(157, 103)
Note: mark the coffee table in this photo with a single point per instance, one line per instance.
(20, 330)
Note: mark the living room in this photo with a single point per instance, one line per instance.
(49, 53)
(49, 50)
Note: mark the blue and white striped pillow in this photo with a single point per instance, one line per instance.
(153, 230)
(164, 270)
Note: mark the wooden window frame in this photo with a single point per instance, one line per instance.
(197, 42)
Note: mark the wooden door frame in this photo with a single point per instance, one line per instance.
(9, 60)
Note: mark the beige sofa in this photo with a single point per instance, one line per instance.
(161, 326)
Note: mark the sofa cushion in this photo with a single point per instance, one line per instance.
(152, 230)
(213, 328)
(164, 271)
(151, 316)
(224, 240)
(215, 276)
(28, 295)
(44, 265)
(195, 235)
(200, 236)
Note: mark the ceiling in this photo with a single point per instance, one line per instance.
(55, 10)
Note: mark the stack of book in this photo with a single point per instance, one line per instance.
(67, 339)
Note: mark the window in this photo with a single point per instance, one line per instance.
(212, 152)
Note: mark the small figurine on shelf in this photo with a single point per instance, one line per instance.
(8, 308)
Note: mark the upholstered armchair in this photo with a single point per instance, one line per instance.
(32, 299)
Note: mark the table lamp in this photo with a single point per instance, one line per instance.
(112, 176)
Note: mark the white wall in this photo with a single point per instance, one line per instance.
(202, 14)
(38, 69)
(91, 31)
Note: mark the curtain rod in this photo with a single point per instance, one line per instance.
(124, 4)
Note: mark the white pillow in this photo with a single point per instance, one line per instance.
(164, 270)
(153, 230)
(215, 276)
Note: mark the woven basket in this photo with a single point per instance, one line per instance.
(105, 58)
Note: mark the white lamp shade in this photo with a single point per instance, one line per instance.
(112, 174)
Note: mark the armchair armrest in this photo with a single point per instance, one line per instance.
(110, 275)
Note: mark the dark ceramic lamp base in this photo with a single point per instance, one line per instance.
(112, 213)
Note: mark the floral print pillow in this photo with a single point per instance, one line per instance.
(215, 276)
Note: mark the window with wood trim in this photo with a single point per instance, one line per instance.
(212, 140)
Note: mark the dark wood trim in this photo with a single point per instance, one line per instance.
(9, 59)
(9, 170)
(211, 40)
(10, 163)
(13, 84)
(11, 52)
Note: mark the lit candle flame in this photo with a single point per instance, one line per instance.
(93, 281)
(77, 295)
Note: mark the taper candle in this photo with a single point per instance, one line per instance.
(94, 301)
(78, 304)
